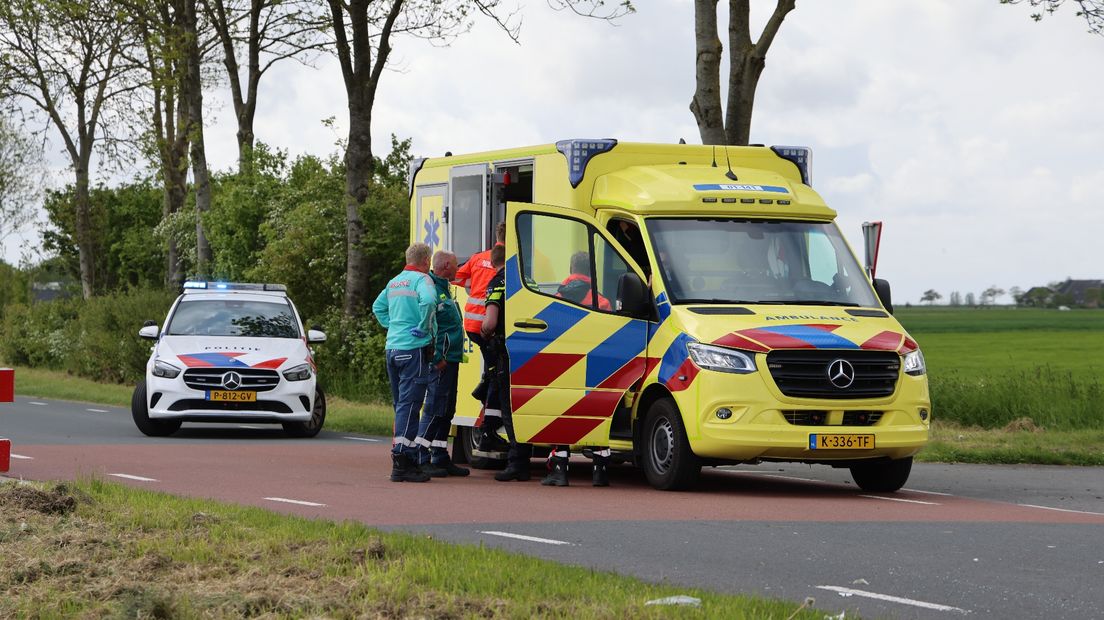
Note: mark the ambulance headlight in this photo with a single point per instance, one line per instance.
(165, 370)
(720, 359)
(302, 372)
(914, 363)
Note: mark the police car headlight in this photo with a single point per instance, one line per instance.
(165, 370)
(302, 372)
(720, 359)
(914, 363)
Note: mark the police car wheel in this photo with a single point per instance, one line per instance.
(311, 427)
(669, 463)
(139, 410)
(882, 476)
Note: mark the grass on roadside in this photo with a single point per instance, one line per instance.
(1021, 441)
(98, 549)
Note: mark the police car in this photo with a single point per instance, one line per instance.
(230, 352)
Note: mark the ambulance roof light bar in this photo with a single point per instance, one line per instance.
(579, 152)
(200, 285)
(801, 156)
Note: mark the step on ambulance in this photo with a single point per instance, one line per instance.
(727, 319)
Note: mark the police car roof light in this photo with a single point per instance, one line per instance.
(233, 286)
(579, 152)
(800, 156)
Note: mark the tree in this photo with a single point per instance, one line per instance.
(363, 31)
(1017, 294)
(746, 61)
(955, 299)
(1091, 10)
(990, 295)
(971, 301)
(66, 59)
(265, 32)
(20, 178)
(931, 296)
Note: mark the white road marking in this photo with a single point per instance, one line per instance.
(547, 541)
(362, 439)
(891, 599)
(138, 478)
(35, 402)
(1080, 512)
(928, 492)
(99, 410)
(900, 499)
(294, 501)
(20, 456)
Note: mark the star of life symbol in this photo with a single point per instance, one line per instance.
(231, 381)
(432, 239)
(841, 373)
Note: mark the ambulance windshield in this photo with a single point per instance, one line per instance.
(743, 261)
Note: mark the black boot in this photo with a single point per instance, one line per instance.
(402, 470)
(515, 470)
(557, 472)
(453, 469)
(432, 470)
(600, 477)
(489, 441)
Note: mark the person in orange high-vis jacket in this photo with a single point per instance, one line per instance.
(474, 276)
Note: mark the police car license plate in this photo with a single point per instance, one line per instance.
(232, 396)
(828, 441)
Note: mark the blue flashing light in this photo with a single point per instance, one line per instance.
(800, 156)
(579, 152)
(194, 284)
(222, 285)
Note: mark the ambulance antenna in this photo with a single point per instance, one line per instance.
(730, 174)
(714, 155)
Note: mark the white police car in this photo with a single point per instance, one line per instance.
(230, 352)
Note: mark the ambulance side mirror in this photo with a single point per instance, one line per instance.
(881, 287)
(632, 297)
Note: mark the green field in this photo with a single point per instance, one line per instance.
(993, 367)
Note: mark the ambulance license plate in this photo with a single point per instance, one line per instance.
(231, 396)
(828, 441)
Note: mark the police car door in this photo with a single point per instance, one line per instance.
(572, 357)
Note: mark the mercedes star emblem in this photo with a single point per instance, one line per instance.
(231, 381)
(841, 373)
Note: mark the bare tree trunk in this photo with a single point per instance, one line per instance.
(84, 234)
(706, 104)
(358, 173)
(193, 91)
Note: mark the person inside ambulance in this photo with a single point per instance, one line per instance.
(498, 363)
(628, 235)
(474, 276)
(578, 287)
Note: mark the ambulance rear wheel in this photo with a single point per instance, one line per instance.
(882, 476)
(469, 441)
(139, 410)
(669, 463)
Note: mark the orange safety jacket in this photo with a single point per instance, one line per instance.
(474, 276)
(577, 288)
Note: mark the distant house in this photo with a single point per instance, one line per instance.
(1081, 292)
(49, 291)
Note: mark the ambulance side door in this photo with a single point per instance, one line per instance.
(572, 356)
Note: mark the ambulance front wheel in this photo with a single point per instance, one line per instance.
(669, 463)
(882, 476)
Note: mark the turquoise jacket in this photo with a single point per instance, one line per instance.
(450, 324)
(406, 308)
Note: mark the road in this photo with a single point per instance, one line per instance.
(960, 540)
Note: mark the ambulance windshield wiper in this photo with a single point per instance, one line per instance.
(808, 302)
(714, 300)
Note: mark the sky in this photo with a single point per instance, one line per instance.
(971, 131)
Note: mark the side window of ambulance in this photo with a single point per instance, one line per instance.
(467, 216)
(610, 268)
(555, 256)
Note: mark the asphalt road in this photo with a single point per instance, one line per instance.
(960, 540)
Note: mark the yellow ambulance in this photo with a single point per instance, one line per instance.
(685, 305)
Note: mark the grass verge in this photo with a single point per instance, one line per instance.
(98, 549)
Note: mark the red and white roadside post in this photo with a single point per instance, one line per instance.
(7, 395)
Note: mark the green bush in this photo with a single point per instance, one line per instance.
(351, 362)
(34, 334)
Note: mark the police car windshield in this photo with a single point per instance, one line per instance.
(745, 261)
(232, 317)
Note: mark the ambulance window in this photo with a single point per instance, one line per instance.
(611, 266)
(823, 265)
(466, 219)
(556, 258)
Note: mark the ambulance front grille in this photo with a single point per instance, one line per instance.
(803, 373)
(815, 417)
(254, 379)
